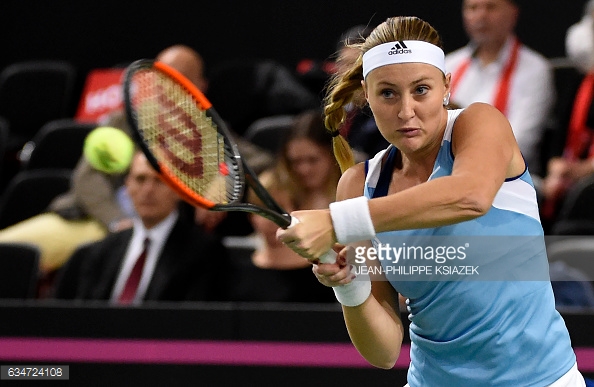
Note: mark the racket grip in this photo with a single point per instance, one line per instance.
(328, 257)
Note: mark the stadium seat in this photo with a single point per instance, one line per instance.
(58, 144)
(19, 264)
(30, 192)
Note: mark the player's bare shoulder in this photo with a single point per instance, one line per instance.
(351, 182)
(479, 114)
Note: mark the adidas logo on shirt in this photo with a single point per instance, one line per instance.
(399, 48)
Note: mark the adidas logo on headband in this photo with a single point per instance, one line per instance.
(399, 48)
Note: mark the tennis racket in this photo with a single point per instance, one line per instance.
(188, 144)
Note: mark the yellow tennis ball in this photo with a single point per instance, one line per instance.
(108, 149)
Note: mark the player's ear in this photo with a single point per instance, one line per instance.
(446, 98)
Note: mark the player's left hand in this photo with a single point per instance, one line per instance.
(338, 273)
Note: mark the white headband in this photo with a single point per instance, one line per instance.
(407, 51)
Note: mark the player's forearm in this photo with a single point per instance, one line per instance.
(376, 332)
(440, 202)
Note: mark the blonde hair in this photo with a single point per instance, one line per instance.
(345, 87)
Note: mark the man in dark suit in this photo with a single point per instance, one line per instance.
(180, 262)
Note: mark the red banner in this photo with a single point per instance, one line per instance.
(102, 94)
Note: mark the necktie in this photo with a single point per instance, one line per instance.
(131, 286)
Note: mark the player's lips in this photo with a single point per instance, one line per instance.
(409, 132)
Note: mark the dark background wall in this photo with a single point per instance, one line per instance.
(167, 325)
(104, 33)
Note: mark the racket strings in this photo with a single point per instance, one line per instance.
(184, 138)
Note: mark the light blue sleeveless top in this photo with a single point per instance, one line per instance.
(482, 333)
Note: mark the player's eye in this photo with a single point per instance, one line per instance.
(387, 93)
(421, 90)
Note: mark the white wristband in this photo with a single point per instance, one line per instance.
(354, 293)
(351, 220)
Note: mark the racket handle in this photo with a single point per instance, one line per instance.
(328, 257)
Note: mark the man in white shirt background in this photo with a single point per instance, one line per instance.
(182, 262)
(496, 68)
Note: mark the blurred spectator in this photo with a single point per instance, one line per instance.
(496, 68)
(274, 272)
(579, 40)
(305, 177)
(577, 159)
(306, 155)
(181, 262)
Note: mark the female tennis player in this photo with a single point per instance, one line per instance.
(447, 173)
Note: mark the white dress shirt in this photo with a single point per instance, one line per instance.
(157, 235)
(531, 93)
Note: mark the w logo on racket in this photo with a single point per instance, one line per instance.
(177, 140)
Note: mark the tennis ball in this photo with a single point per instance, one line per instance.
(108, 149)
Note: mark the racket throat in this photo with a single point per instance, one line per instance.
(281, 220)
